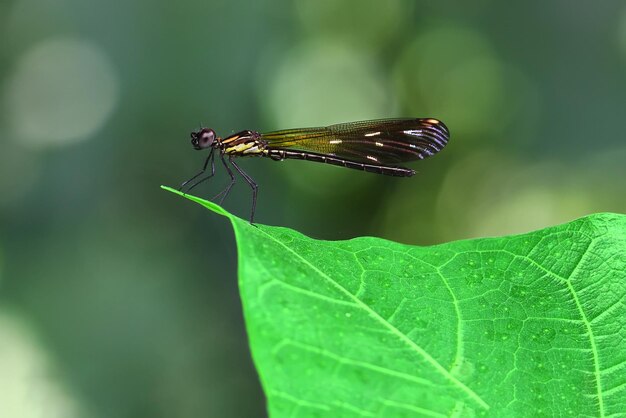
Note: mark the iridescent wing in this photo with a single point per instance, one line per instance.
(385, 141)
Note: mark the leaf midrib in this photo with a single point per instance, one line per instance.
(419, 350)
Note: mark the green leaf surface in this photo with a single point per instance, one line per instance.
(528, 325)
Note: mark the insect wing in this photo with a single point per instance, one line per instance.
(386, 141)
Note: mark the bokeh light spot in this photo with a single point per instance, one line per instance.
(453, 74)
(501, 196)
(367, 23)
(28, 387)
(61, 91)
(323, 83)
(320, 84)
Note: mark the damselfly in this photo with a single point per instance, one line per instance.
(375, 146)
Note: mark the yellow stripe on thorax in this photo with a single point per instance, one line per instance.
(249, 147)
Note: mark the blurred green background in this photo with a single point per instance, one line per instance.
(118, 299)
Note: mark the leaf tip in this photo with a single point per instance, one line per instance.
(207, 204)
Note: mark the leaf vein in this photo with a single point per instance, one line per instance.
(418, 349)
(592, 340)
(345, 360)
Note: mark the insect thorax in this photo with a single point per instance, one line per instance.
(244, 143)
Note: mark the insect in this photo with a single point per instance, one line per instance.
(375, 146)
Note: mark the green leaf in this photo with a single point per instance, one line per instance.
(528, 325)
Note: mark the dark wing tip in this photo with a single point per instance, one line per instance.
(436, 132)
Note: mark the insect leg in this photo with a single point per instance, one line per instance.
(222, 195)
(253, 186)
(207, 177)
(206, 163)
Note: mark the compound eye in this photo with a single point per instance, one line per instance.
(207, 138)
